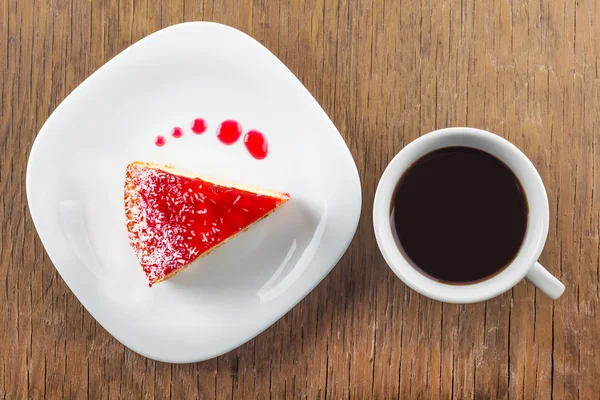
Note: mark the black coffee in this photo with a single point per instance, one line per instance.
(460, 214)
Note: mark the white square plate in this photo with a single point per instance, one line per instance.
(76, 174)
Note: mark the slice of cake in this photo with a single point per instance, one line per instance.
(174, 218)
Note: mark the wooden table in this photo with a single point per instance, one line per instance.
(386, 71)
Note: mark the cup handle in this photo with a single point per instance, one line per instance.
(546, 282)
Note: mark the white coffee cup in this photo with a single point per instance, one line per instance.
(525, 263)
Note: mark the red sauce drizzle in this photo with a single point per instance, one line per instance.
(257, 144)
(199, 126)
(160, 141)
(229, 132)
(177, 132)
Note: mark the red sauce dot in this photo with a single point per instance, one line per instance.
(160, 141)
(177, 132)
(257, 144)
(199, 126)
(229, 132)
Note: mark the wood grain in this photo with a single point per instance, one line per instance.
(386, 71)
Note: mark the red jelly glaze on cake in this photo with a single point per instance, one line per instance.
(174, 219)
(256, 144)
(229, 132)
(199, 126)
